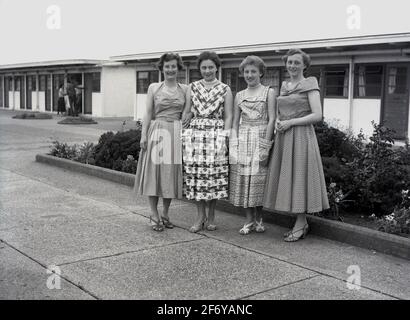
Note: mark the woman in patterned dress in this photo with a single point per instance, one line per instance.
(254, 121)
(159, 169)
(205, 152)
(295, 182)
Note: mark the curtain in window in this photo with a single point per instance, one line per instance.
(271, 78)
(346, 83)
(392, 80)
(362, 81)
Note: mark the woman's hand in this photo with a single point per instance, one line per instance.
(186, 119)
(282, 126)
(143, 142)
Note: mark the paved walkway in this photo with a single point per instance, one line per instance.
(98, 235)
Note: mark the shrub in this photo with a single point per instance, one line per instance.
(335, 143)
(377, 174)
(112, 148)
(32, 115)
(85, 153)
(399, 221)
(63, 150)
(129, 165)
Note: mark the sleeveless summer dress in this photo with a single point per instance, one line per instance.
(247, 177)
(205, 152)
(159, 169)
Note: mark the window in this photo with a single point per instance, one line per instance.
(144, 79)
(271, 78)
(397, 80)
(181, 76)
(368, 81)
(17, 83)
(336, 82)
(284, 75)
(194, 75)
(233, 79)
(317, 72)
(1, 92)
(33, 82)
(96, 76)
(42, 85)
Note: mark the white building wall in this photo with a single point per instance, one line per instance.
(34, 100)
(11, 106)
(364, 111)
(118, 85)
(17, 100)
(97, 108)
(336, 112)
(140, 106)
(42, 101)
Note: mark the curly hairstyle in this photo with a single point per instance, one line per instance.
(305, 57)
(253, 61)
(208, 55)
(168, 57)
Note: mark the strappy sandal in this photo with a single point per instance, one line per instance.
(247, 228)
(156, 225)
(167, 224)
(259, 226)
(291, 236)
(199, 227)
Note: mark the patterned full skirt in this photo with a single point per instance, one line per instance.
(247, 176)
(205, 160)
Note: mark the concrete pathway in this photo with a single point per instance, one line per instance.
(97, 233)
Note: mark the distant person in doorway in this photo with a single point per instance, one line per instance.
(71, 97)
(61, 102)
(78, 100)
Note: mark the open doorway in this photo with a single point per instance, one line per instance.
(75, 91)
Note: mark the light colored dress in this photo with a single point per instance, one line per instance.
(205, 151)
(247, 177)
(295, 181)
(159, 169)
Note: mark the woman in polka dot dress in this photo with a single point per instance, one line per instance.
(295, 181)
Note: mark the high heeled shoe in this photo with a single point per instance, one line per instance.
(198, 227)
(156, 224)
(167, 224)
(290, 237)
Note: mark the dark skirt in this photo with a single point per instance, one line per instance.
(61, 105)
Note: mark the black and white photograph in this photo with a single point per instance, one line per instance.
(204, 156)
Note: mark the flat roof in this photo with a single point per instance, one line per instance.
(280, 46)
(54, 63)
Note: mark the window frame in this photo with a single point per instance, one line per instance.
(356, 81)
(150, 72)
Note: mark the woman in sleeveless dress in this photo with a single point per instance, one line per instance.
(205, 151)
(253, 125)
(295, 182)
(159, 169)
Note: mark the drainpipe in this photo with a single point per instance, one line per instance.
(2, 90)
(13, 87)
(37, 91)
(52, 92)
(25, 92)
(351, 92)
